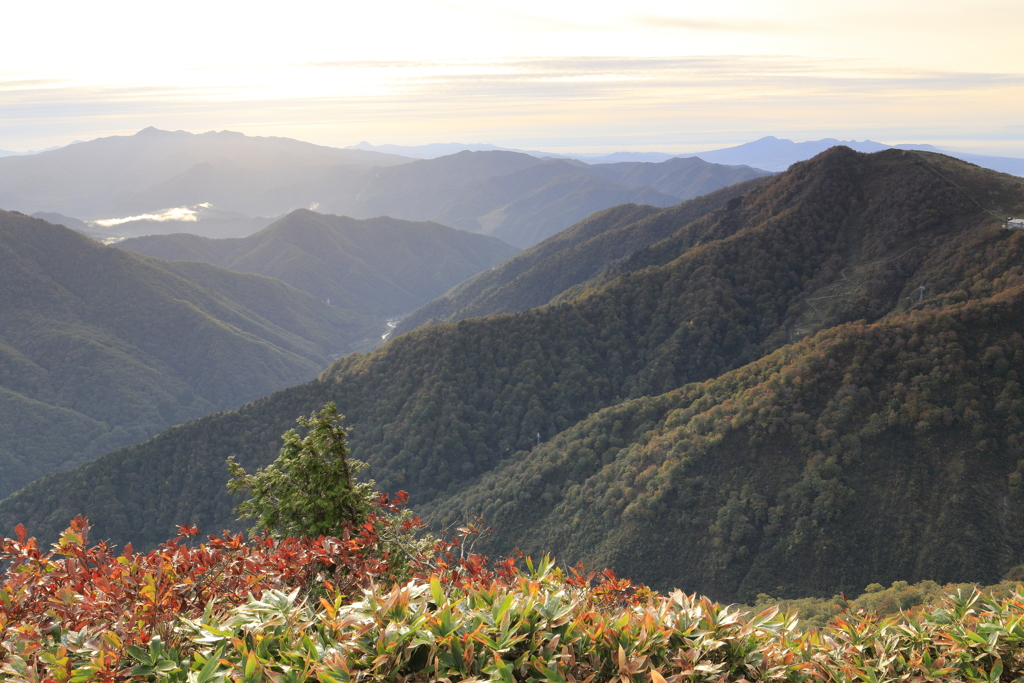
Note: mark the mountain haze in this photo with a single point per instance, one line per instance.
(379, 267)
(573, 256)
(224, 184)
(684, 178)
(774, 154)
(521, 199)
(100, 348)
(769, 153)
(155, 170)
(796, 392)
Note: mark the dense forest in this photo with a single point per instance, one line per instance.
(571, 257)
(812, 384)
(100, 348)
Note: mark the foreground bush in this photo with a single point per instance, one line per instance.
(329, 610)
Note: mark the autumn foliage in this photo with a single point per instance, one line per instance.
(335, 610)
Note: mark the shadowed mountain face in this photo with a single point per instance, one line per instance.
(570, 258)
(100, 348)
(813, 386)
(522, 199)
(682, 178)
(382, 267)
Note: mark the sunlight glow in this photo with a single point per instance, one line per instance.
(514, 73)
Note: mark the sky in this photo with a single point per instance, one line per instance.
(592, 76)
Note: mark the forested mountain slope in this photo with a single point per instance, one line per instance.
(868, 453)
(381, 267)
(573, 256)
(831, 254)
(100, 348)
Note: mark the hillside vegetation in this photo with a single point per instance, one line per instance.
(330, 609)
(379, 267)
(571, 257)
(764, 401)
(100, 348)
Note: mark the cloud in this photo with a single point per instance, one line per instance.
(521, 101)
(184, 214)
(661, 22)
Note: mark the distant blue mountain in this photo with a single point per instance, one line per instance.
(775, 154)
(441, 149)
(769, 153)
(9, 153)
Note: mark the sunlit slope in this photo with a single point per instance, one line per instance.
(382, 267)
(869, 453)
(839, 245)
(101, 347)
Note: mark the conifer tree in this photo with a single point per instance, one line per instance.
(310, 489)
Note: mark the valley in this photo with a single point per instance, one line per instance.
(512, 342)
(227, 185)
(751, 387)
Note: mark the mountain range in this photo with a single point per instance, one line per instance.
(155, 170)
(101, 348)
(810, 387)
(774, 154)
(769, 153)
(575, 255)
(523, 200)
(380, 267)
(223, 184)
(108, 347)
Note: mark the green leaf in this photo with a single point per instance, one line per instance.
(436, 591)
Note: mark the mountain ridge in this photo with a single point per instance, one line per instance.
(110, 177)
(382, 267)
(834, 251)
(539, 274)
(115, 346)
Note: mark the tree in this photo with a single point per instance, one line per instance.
(310, 489)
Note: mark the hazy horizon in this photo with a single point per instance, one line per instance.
(559, 77)
(590, 151)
